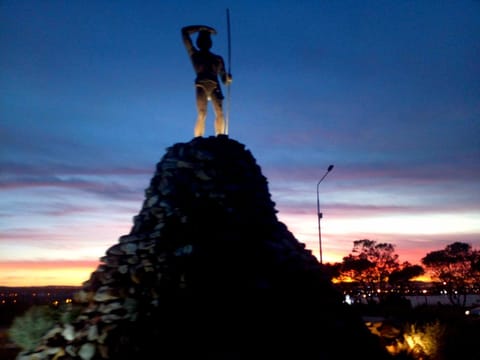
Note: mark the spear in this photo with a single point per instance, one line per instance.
(229, 71)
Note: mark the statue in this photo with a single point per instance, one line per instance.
(208, 67)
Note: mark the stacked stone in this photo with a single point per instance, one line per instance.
(206, 247)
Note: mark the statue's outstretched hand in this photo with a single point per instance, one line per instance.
(209, 29)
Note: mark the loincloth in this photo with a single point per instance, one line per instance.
(210, 87)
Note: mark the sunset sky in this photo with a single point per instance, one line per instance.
(93, 92)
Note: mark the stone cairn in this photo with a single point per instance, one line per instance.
(208, 272)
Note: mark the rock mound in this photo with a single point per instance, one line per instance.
(208, 272)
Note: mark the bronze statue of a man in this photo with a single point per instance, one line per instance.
(208, 67)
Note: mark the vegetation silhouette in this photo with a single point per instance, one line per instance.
(457, 267)
(378, 284)
(432, 332)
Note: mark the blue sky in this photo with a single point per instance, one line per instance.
(92, 93)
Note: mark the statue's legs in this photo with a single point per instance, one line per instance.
(219, 119)
(202, 102)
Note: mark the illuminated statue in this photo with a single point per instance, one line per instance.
(208, 67)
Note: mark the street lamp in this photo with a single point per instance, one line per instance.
(319, 214)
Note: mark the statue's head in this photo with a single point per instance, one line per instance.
(204, 41)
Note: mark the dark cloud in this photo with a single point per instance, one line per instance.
(117, 183)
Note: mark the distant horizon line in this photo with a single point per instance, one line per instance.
(39, 286)
(81, 286)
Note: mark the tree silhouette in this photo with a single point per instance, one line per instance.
(370, 265)
(400, 278)
(458, 267)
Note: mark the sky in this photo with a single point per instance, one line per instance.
(93, 92)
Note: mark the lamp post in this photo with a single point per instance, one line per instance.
(320, 215)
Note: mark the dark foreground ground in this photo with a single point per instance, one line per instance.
(8, 351)
(455, 333)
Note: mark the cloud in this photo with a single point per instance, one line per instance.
(409, 247)
(23, 169)
(114, 183)
(109, 189)
(364, 186)
(375, 170)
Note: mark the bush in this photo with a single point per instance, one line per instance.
(27, 330)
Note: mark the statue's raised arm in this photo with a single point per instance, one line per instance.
(188, 31)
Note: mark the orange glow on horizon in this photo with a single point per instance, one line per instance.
(44, 273)
(74, 273)
(423, 278)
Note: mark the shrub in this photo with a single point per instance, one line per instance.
(420, 341)
(27, 330)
